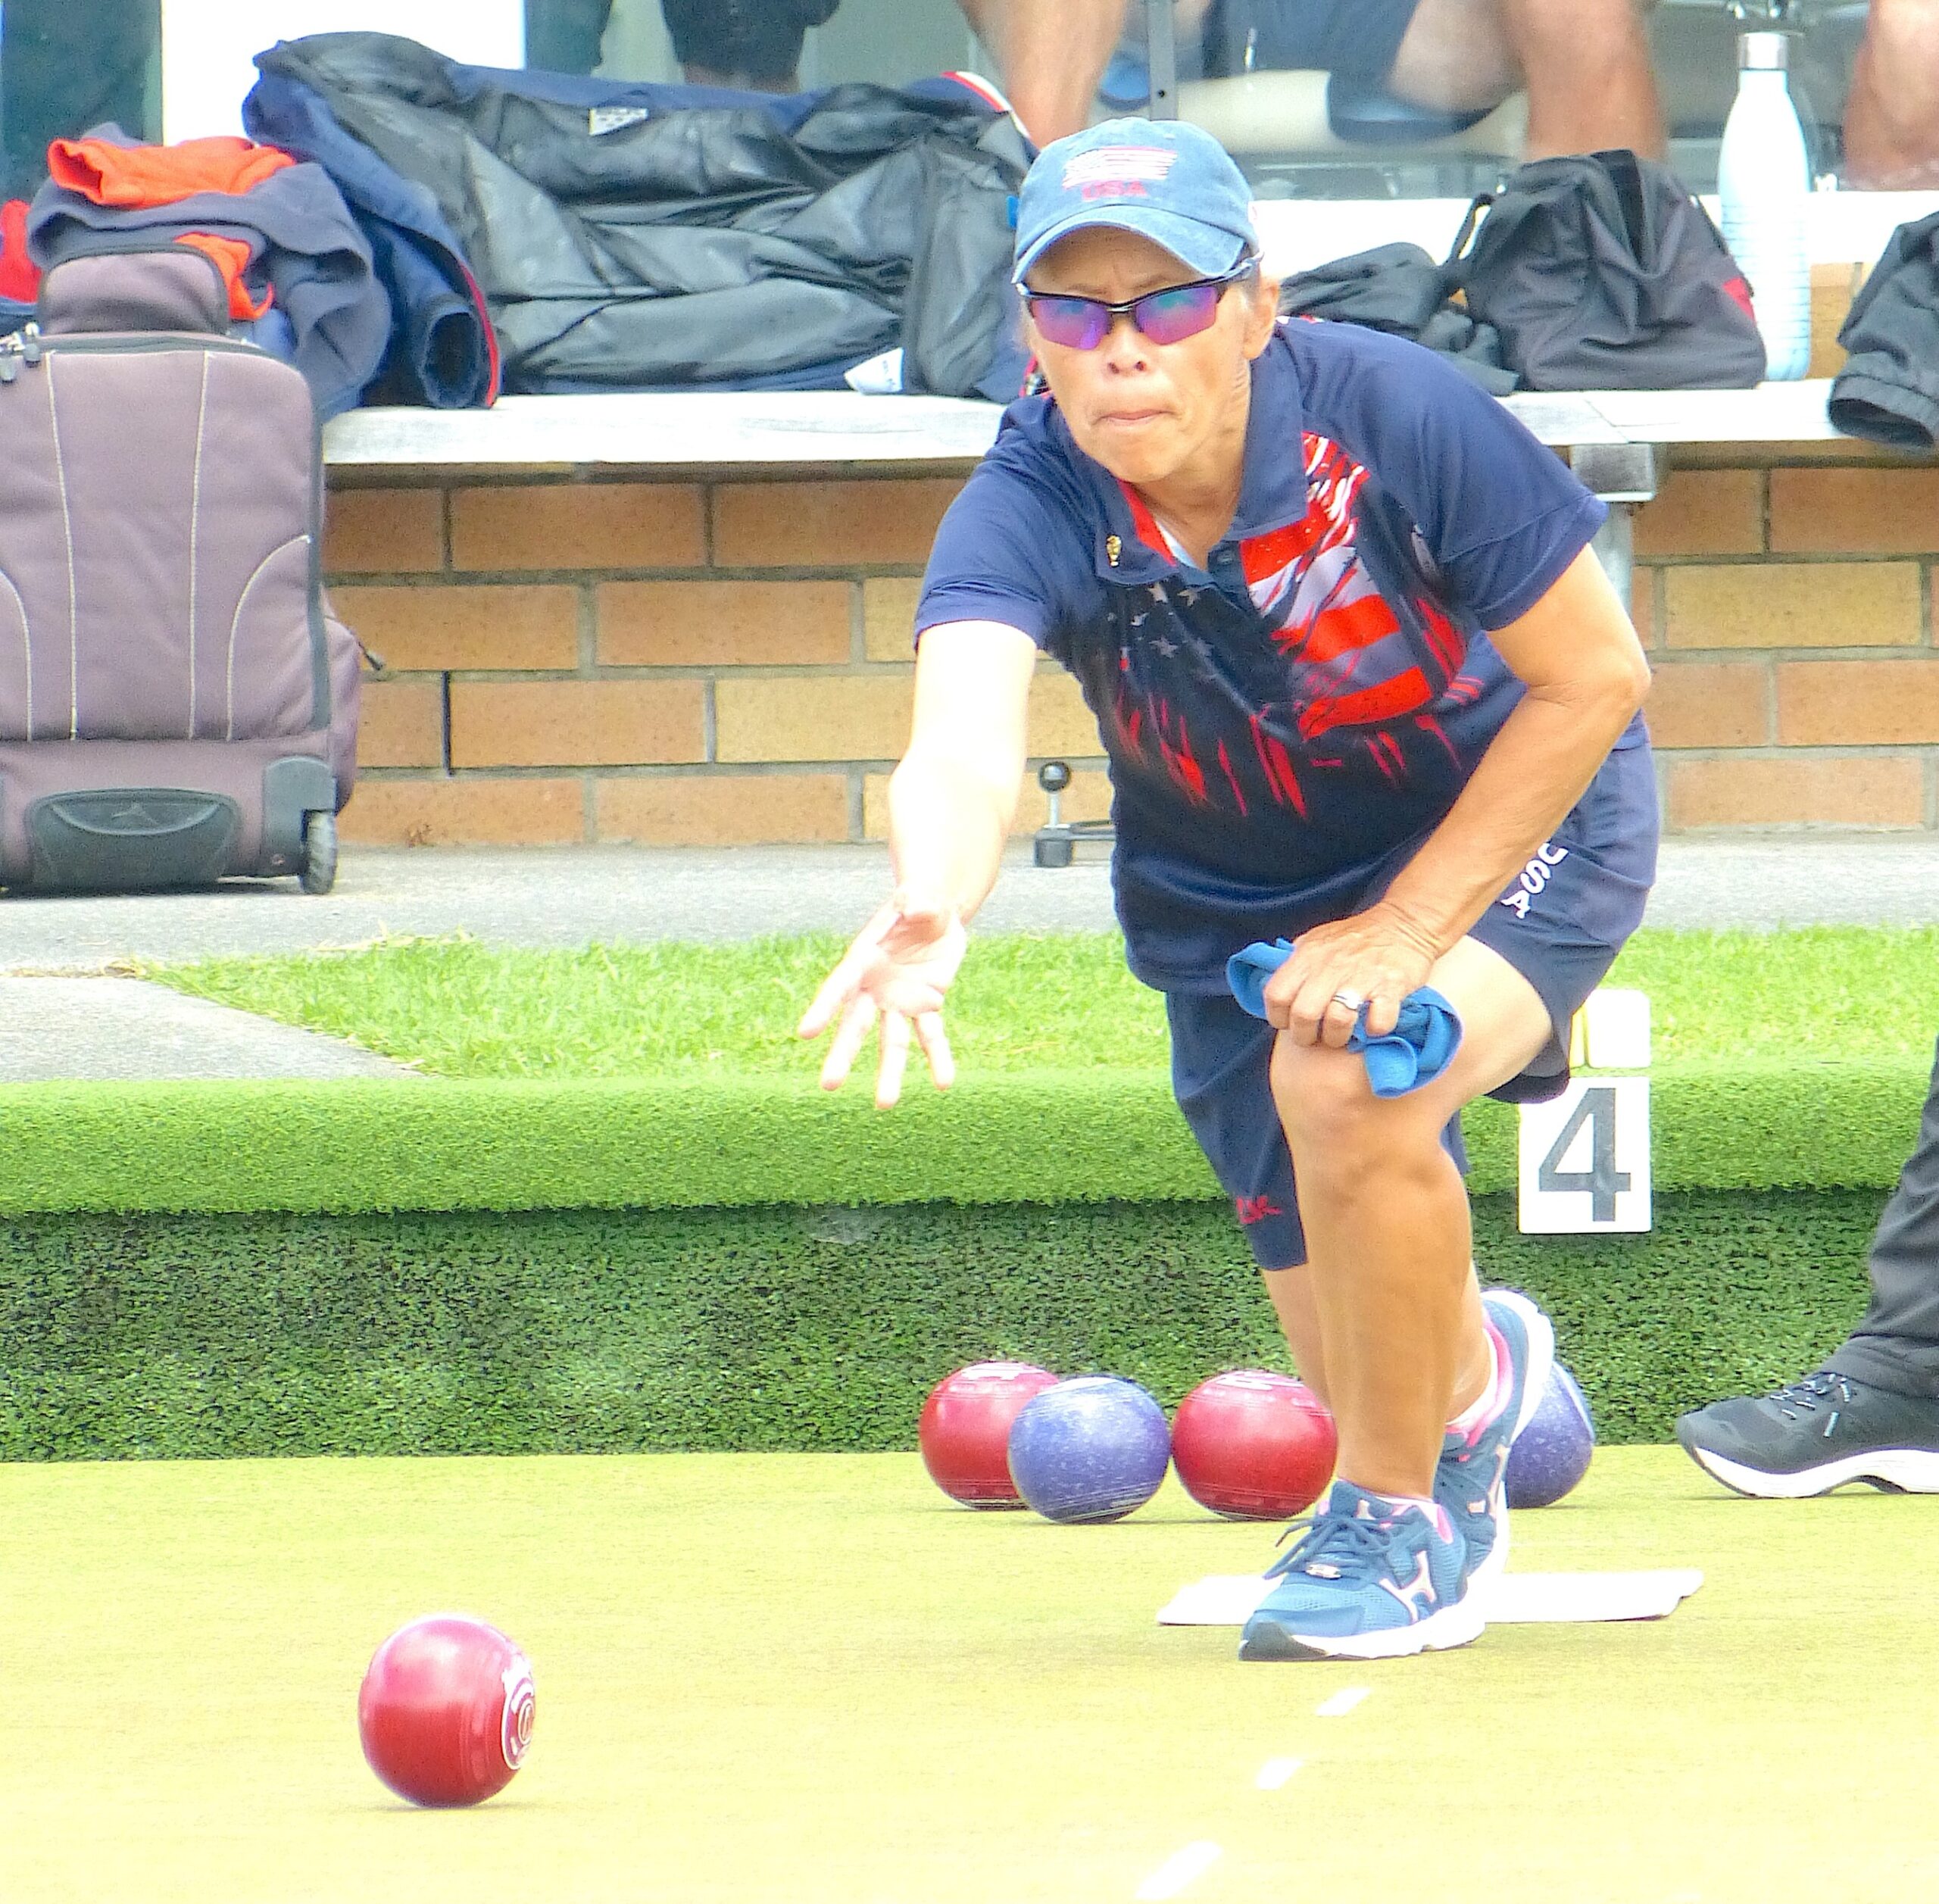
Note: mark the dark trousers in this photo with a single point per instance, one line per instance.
(1896, 1347)
(65, 65)
(564, 36)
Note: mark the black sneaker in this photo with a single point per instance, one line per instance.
(1816, 1434)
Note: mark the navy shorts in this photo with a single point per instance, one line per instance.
(1357, 40)
(1561, 924)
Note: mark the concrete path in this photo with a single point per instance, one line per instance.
(121, 1028)
(534, 897)
(559, 896)
(118, 1028)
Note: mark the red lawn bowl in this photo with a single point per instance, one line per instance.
(445, 1711)
(1253, 1446)
(964, 1433)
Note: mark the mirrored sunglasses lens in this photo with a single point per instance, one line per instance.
(1169, 316)
(1077, 323)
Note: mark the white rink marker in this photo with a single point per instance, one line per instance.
(1181, 1869)
(1342, 1702)
(1276, 1772)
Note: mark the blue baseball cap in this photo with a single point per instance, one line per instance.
(1164, 179)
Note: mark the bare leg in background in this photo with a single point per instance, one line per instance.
(1050, 54)
(1585, 65)
(1892, 112)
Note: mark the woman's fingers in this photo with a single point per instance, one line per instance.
(893, 1036)
(1338, 1015)
(854, 1027)
(935, 1042)
(1304, 1000)
(840, 986)
(1383, 1012)
(1337, 1002)
(894, 1033)
(894, 974)
(1321, 1003)
(864, 954)
(913, 997)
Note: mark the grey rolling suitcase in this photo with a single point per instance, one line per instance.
(176, 702)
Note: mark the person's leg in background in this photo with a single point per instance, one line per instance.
(1892, 111)
(564, 36)
(1050, 56)
(1896, 1346)
(755, 45)
(65, 65)
(1584, 63)
(1871, 1411)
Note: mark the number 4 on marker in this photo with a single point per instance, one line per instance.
(1602, 1180)
(1585, 1158)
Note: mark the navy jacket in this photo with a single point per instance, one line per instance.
(629, 235)
(442, 351)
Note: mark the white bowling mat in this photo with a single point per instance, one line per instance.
(1227, 1599)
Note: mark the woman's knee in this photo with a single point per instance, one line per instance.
(1456, 55)
(1332, 1120)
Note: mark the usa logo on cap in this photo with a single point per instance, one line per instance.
(1117, 171)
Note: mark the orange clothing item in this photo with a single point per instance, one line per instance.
(158, 175)
(19, 277)
(231, 258)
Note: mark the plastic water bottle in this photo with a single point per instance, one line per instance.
(1763, 182)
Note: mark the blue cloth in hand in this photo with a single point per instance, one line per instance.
(1419, 1048)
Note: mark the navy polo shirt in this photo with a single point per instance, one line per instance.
(1286, 730)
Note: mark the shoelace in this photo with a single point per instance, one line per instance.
(1805, 1396)
(1350, 1544)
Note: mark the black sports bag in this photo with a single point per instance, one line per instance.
(1602, 272)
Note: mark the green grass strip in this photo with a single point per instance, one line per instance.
(1062, 1002)
(462, 1009)
(1097, 1136)
(667, 1076)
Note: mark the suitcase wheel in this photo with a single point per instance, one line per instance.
(319, 872)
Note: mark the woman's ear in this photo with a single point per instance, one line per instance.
(1262, 314)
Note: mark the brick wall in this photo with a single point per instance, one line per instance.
(1789, 612)
(673, 663)
(658, 662)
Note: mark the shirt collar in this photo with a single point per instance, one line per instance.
(1272, 487)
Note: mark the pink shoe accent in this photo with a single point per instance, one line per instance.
(1444, 1524)
(1485, 1410)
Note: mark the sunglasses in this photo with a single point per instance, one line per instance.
(1166, 317)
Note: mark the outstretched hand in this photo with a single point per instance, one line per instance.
(893, 977)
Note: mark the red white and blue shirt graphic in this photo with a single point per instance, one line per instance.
(1284, 727)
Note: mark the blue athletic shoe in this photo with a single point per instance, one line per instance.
(1468, 1481)
(1369, 1581)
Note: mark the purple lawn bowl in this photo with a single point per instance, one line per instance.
(1091, 1449)
(1551, 1455)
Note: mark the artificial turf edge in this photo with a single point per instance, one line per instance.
(729, 1258)
(209, 1335)
(1097, 1135)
